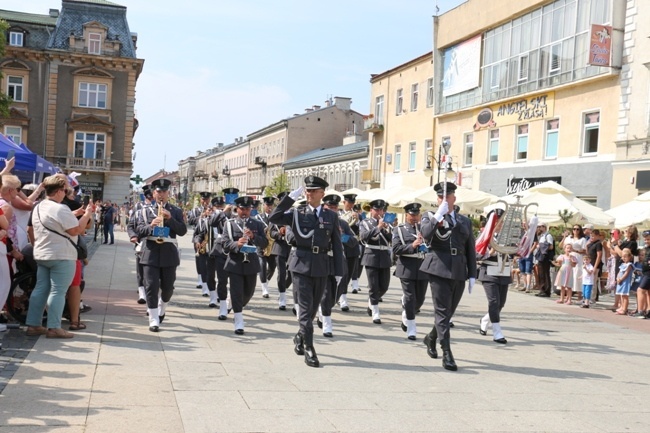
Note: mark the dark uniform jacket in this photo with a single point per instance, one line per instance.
(166, 254)
(351, 247)
(377, 251)
(453, 257)
(207, 231)
(407, 267)
(232, 231)
(264, 219)
(321, 234)
(280, 246)
(133, 219)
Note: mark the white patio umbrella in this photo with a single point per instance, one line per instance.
(470, 201)
(635, 212)
(388, 195)
(356, 191)
(553, 198)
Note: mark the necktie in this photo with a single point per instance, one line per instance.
(450, 220)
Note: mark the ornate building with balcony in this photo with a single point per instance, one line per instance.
(72, 76)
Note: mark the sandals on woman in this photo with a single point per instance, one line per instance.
(33, 331)
(77, 326)
(58, 333)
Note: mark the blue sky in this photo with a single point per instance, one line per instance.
(216, 70)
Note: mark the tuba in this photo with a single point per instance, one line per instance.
(269, 247)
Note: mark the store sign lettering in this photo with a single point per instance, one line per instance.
(526, 109)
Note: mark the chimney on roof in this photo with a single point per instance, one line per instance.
(54, 13)
(308, 110)
(342, 103)
(316, 107)
(219, 145)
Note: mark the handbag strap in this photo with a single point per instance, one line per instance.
(53, 231)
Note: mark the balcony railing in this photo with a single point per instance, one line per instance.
(370, 176)
(88, 164)
(369, 125)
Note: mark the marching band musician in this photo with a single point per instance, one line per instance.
(316, 231)
(204, 240)
(376, 235)
(349, 242)
(242, 234)
(352, 255)
(135, 240)
(280, 252)
(193, 219)
(160, 256)
(267, 263)
(217, 258)
(409, 248)
(200, 251)
(451, 260)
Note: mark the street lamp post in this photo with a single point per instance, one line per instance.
(443, 163)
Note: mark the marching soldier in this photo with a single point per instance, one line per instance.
(352, 255)
(280, 252)
(158, 227)
(135, 240)
(217, 258)
(316, 231)
(349, 242)
(241, 238)
(200, 250)
(193, 219)
(267, 263)
(376, 235)
(409, 248)
(451, 260)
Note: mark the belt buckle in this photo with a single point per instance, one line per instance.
(315, 250)
(454, 252)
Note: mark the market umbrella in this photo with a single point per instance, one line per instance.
(635, 212)
(552, 198)
(470, 201)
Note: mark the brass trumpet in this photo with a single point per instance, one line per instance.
(160, 240)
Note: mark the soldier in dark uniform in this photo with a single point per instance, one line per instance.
(135, 240)
(200, 251)
(409, 249)
(158, 227)
(332, 289)
(210, 235)
(451, 260)
(316, 231)
(193, 219)
(352, 255)
(280, 252)
(267, 263)
(241, 238)
(495, 285)
(376, 235)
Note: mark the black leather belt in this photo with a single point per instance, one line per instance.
(314, 250)
(453, 251)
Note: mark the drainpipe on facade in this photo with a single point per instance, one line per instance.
(435, 57)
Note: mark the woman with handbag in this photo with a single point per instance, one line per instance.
(56, 230)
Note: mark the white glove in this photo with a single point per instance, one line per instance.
(442, 211)
(296, 193)
(338, 280)
(471, 285)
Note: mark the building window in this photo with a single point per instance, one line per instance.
(591, 127)
(415, 89)
(552, 138)
(379, 110)
(523, 68)
(15, 39)
(493, 151)
(522, 143)
(89, 145)
(494, 77)
(412, 156)
(15, 133)
(430, 92)
(468, 141)
(376, 164)
(398, 158)
(94, 43)
(92, 95)
(400, 102)
(15, 88)
(556, 55)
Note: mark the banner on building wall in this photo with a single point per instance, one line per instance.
(462, 67)
(600, 45)
(514, 112)
(519, 184)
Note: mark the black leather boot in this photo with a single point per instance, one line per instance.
(298, 340)
(310, 357)
(448, 361)
(430, 342)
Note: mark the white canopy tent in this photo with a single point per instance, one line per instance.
(635, 212)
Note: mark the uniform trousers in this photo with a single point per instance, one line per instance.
(496, 295)
(157, 279)
(139, 271)
(359, 267)
(310, 292)
(329, 296)
(216, 265)
(267, 268)
(352, 265)
(242, 288)
(202, 266)
(284, 276)
(446, 295)
(414, 293)
(378, 279)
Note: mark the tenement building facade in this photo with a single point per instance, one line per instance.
(72, 76)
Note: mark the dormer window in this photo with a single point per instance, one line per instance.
(94, 43)
(16, 39)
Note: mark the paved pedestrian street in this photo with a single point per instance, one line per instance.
(564, 369)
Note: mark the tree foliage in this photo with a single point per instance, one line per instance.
(279, 184)
(5, 100)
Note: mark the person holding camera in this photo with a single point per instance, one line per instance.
(544, 256)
